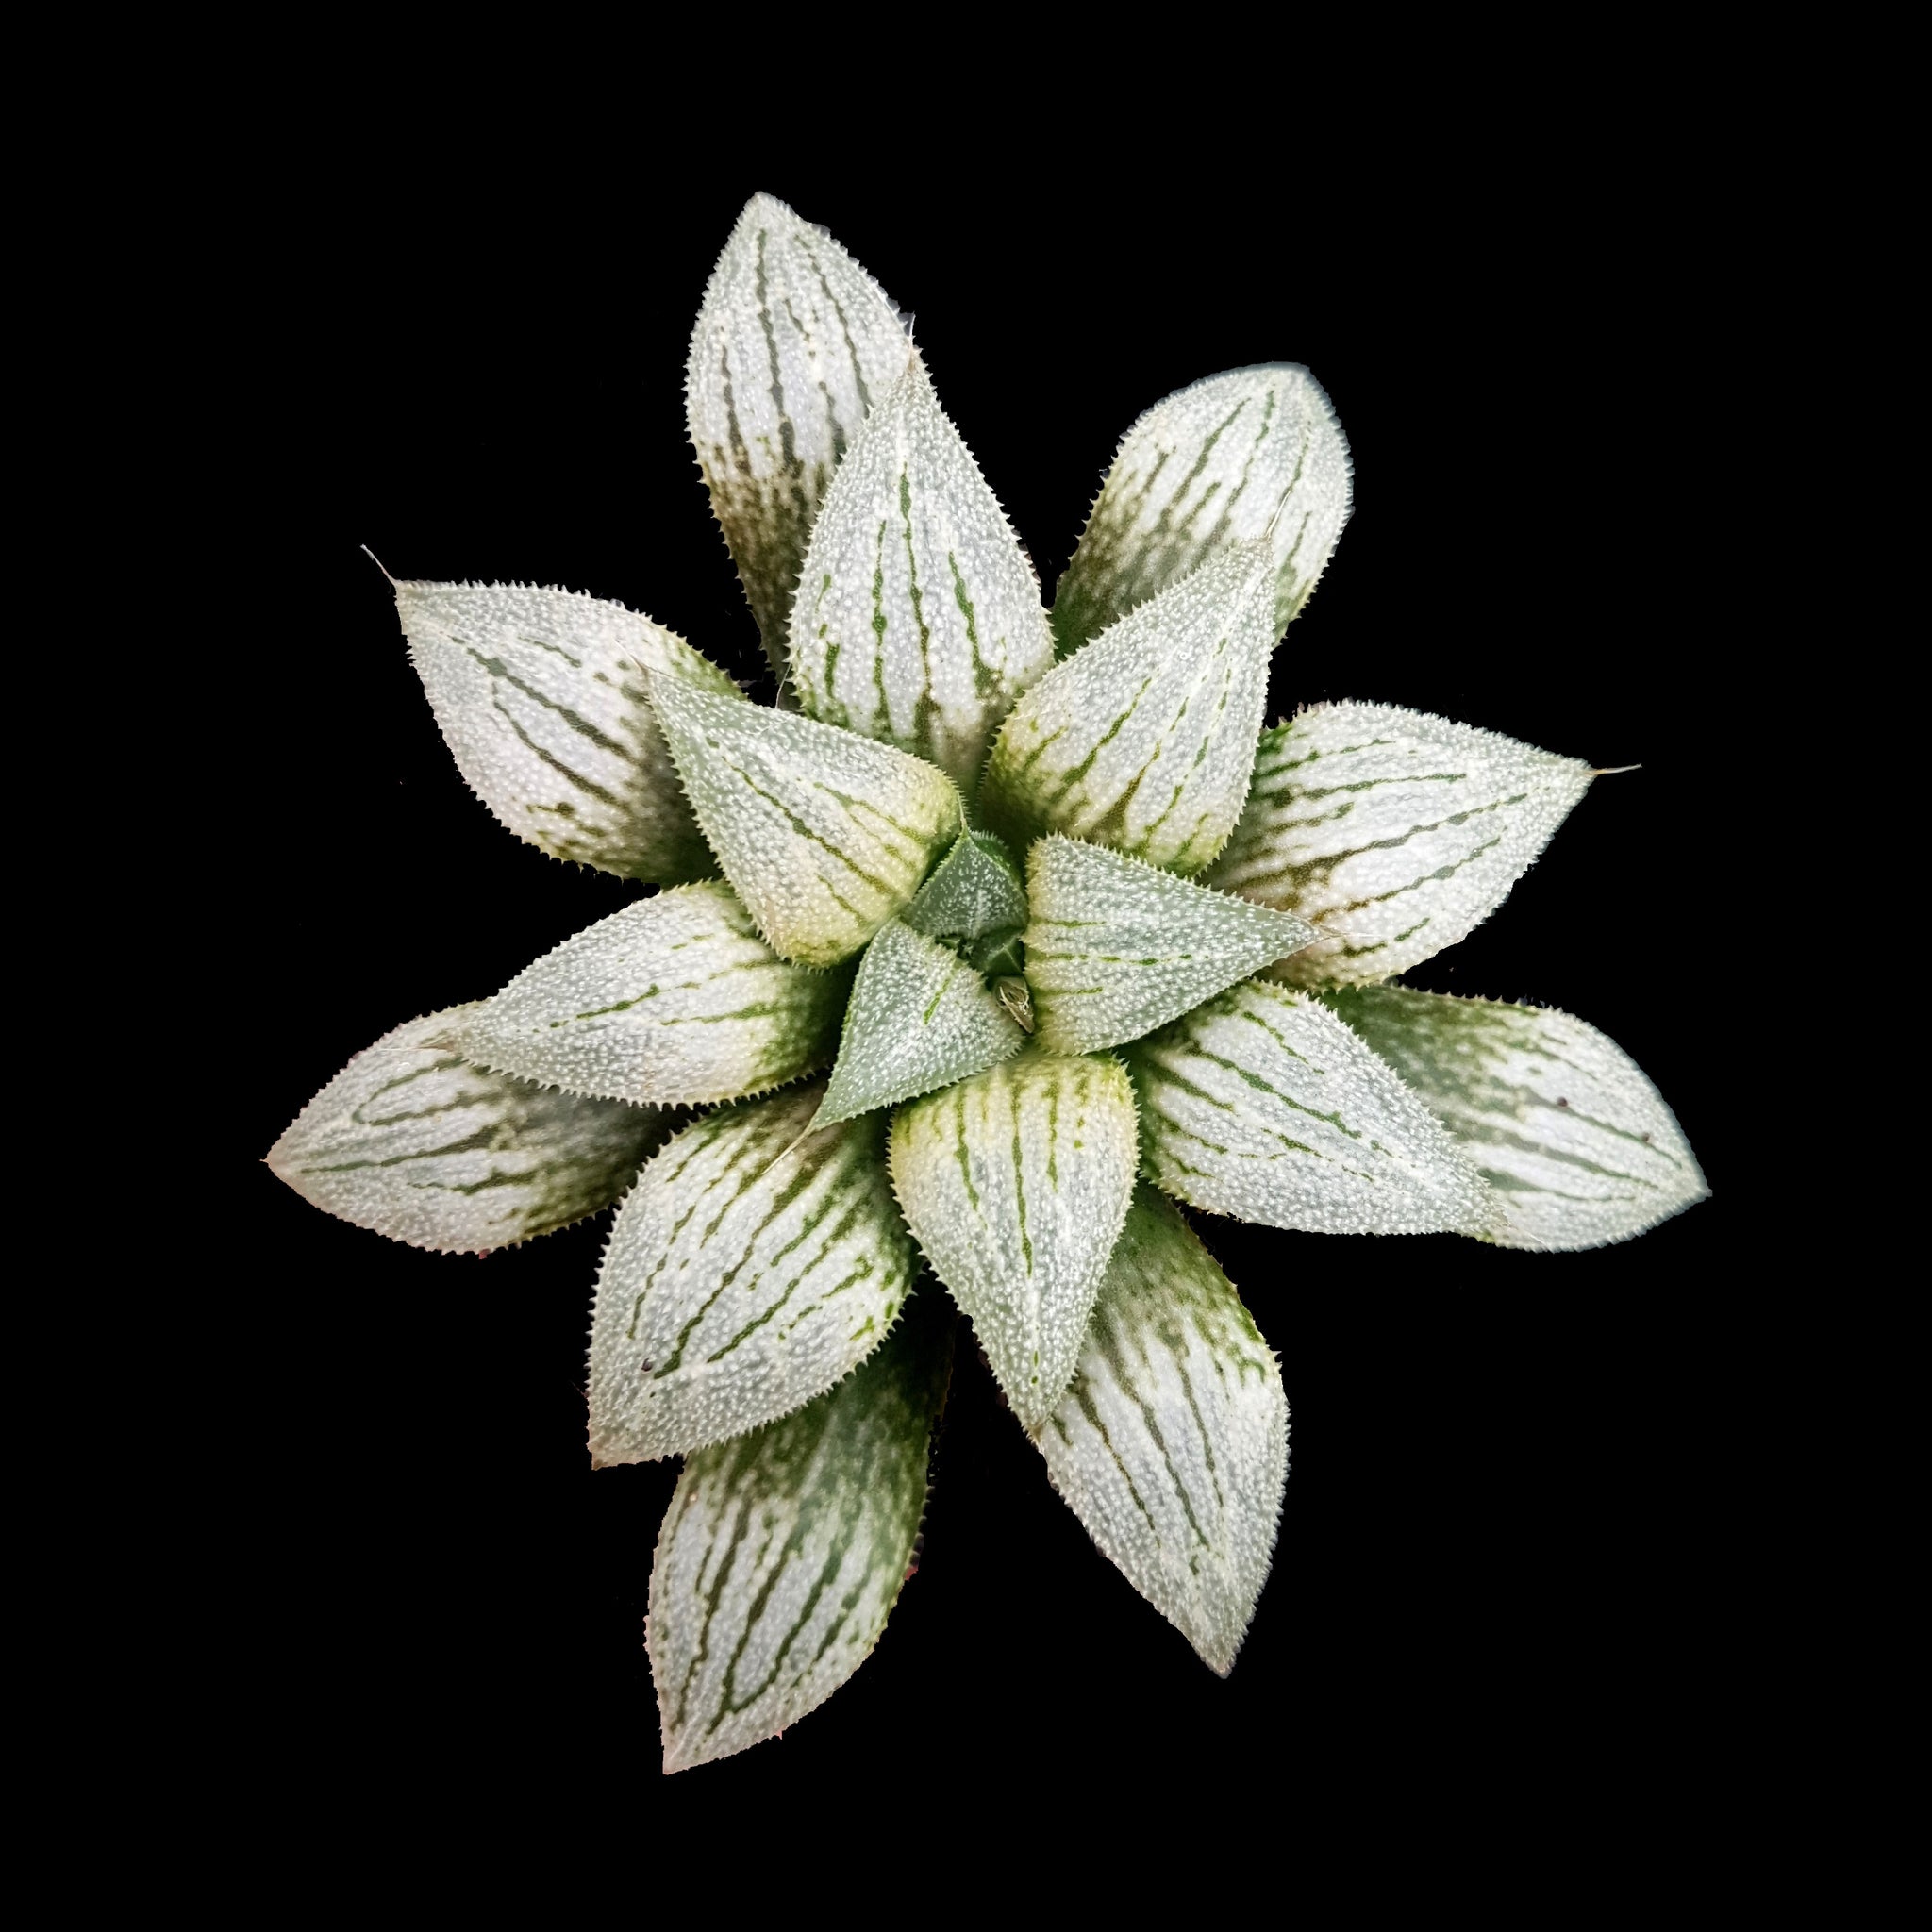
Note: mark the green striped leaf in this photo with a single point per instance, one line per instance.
(1397, 833)
(411, 1140)
(1015, 1183)
(825, 835)
(975, 899)
(1251, 453)
(919, 619)
(540, 698)
(794, 343)
(1263, 1105)
(784, 1551)
(674, 1001)
(754, 1264)
(1145, 740)
(1577, 1146)
(1117, 948)
(1171, 1445)
(920, 1016)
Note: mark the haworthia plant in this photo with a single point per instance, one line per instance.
(993, 937)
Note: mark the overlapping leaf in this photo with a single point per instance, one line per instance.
(976, 900)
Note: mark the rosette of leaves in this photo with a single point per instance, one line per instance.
(1005, 935)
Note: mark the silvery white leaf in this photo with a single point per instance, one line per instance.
(1171, 1445)
(753, 1265)
(1395, 832)
(1577, 1146)
(1015, 1183)
(918, 621)
(920, 1017)
(1144, 740)
(1254, 453)
(414, 1142)
(825, 835)
(1117, 948)
(540, 698)
(675, 1000)
(976, 898)
(794, 344)
(1263, 1105)
(784, 1551)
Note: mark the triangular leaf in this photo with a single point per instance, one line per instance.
(411, 1140)
(1577, 1146)
(794, 344)
(676, 1001)
(1117, 948)
(1171, 1445)
(540, 698)
(784, 1551)
(754, 1264)
(975, 898)
(1394, 831)
(919, 620)
(1263, 1105)
(1255, 453)
(1015, 1183)
(825, 835)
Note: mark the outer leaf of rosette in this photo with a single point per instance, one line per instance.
(411, 1140)
(1116, 948)
(824, 835)
(754, 1263)
(918, 619)
(975, 899)
(794, 345)
(1251, 454)
(784, 1550)
(1576, 1145)
(1397, 833)
(1145, 740)
(1171, 1445)
(1015, 1183)
(540, 697)
(675, 1000)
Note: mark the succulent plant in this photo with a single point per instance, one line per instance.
(1001, 933)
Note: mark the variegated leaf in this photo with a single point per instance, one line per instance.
(754, 1264)
(784, 1551)
(540, 698)
(794, 343)
(1577, 1146)
(1263, 1105)
(1251, 453)
(411, 1140)
(920, 1017)
(1395, 832)
(1171, 1445)
(918, 619)
(976, 898)
(825, 835)
(1117, 948)
(1145, 740)
(675, 1000)
(1015, 1183)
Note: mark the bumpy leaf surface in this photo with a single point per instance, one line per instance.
(1145, 740)
(918, 619)
(1016, 1183)
(674, 1001)
(783, 1551)
(976, 899)
(794, 343)
(754, 1264)
(540, 698)
(1117, 948)
(825, 835)
(1252, 454)
(1397, 832)
(411, 1140)
(1263, 1105)
(1171, 1445)
(1577, 1146)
